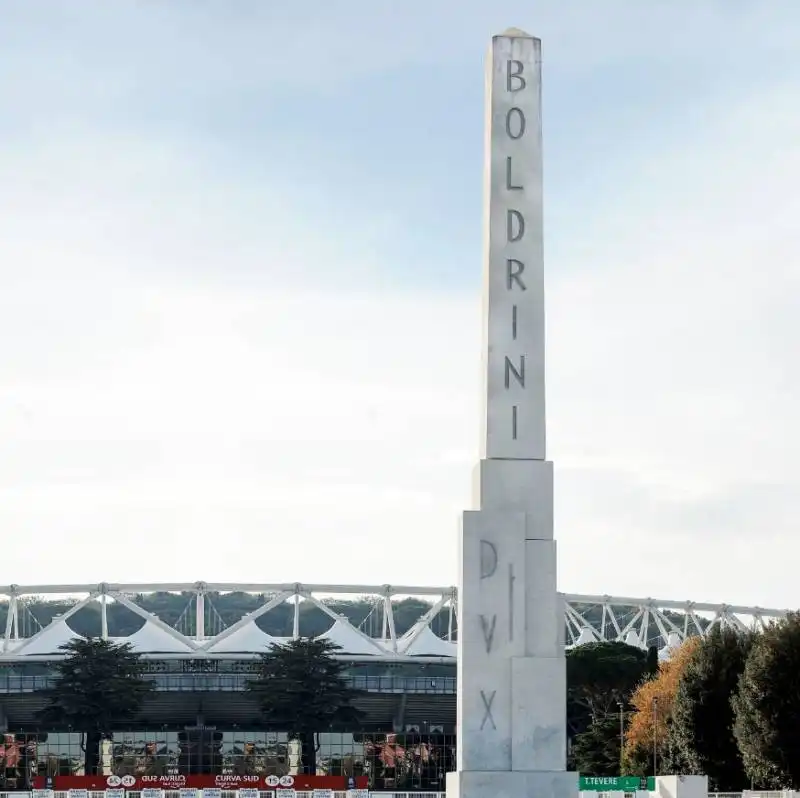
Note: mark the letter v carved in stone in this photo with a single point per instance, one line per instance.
(488, 631)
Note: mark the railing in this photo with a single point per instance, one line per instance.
(234, 794)
(607, 794)
(756, 794)
(389, 794)
(230, 794)
(441, 685)
(237, 682)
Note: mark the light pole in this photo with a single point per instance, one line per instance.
(621, 735)
(655, 736)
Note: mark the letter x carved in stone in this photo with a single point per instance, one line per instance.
(487, 709)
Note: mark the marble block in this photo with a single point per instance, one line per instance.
(538, 713)
(544, 618)
(491, 602)
(491, 622)
(512, 784)
(524, 486)
(513, 284)
(681, 786)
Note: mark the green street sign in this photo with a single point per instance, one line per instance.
(616, 783)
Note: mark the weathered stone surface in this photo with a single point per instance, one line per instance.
(513, 288)
(511, 666)
(513, 784)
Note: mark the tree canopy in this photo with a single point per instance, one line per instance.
(601, 675)
(597, 750)
(702, 713)
(767, 707)
(300, 689)
(600, 680)
(99, 687)
(652, 705)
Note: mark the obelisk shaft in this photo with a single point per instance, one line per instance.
(511, 668)
(513, 280)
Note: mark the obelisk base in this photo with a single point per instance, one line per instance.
(512, 784)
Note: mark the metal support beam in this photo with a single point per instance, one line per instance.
(605, 617)
(200, 611)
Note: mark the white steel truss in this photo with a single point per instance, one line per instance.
(637, 621)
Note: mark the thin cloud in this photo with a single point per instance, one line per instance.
(206, 355)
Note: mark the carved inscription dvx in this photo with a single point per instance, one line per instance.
(488, 558)
(488, 570)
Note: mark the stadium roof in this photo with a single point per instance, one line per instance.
(587, 619)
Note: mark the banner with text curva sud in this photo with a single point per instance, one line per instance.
(199, 782)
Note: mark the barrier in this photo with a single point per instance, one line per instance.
(607, 794)
(358, 794)
(225, 794)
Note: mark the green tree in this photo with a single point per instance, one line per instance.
(597, 751)
(767, 707)
(300, 689)
(600, 680)
(100, 686)
(702, 714)
(600, 676)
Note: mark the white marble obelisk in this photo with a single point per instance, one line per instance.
(511, 667)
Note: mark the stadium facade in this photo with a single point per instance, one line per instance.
(201, 723)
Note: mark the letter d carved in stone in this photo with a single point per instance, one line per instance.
(488, 559)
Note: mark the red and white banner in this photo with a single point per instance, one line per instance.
(199, 782)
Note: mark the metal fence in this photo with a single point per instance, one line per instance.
(233, 794)
(262, 794)
(237, 682)
(388, 794)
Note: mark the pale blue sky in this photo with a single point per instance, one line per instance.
(240, 255)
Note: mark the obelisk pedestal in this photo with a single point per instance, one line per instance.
(511, 726)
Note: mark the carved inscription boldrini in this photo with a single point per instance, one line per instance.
(515, 127)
